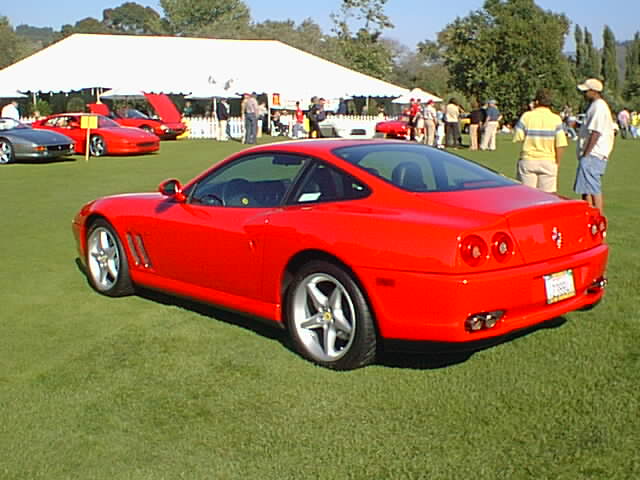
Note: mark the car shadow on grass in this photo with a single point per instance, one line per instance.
(415, 355)
(401, 354)
(434, 355)
(260, 326)
(43, 161)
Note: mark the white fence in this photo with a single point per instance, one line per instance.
(340, 125)
(354, 126)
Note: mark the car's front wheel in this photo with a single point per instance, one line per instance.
(329, 319)
(6, 151)
(97, 146)
(106, 261)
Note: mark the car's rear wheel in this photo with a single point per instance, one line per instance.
(329, 319)
(6, 151)
(106, 261)
(97, 146)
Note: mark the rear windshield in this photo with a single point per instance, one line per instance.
(419, 168)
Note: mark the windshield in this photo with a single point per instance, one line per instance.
(419, 168)
(10, 124)
(105, 122)
(132, 113)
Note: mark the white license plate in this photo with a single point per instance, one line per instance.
(559, 286)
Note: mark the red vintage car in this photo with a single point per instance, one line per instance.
(108, 139)
(168, 127)
(354, 244)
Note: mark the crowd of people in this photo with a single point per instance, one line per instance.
(544, 135)
(439, 126)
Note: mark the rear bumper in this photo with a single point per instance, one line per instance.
(434, 307)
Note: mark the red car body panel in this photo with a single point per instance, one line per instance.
(119, 140)
(403, 248)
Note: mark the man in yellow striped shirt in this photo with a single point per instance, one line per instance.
(544, 142)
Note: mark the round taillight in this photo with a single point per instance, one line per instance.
(502, 247)
(598, 226)
(474, 250)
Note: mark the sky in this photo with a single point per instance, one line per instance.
(414, 20)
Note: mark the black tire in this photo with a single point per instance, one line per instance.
(7, 155)
(328, 317)
(107, 265)
(97, 146)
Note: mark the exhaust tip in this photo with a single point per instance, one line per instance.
(483, 320)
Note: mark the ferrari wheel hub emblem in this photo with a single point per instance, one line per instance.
(556, 236)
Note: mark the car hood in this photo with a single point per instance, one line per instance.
(164, 107)
(41, 136)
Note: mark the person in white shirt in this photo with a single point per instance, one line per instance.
(595, 143)
(10, 110)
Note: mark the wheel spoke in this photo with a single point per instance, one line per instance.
(317, 297)
(314, 321)
(342, 325)
(330, 341)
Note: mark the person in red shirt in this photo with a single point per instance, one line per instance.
(298, 128)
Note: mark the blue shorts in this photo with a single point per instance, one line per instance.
(589, 175)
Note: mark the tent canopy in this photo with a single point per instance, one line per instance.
(11, 94)
(418, 94)
(181, 65)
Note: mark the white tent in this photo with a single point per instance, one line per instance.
(11, 94)
(418, 94)
(184, 65)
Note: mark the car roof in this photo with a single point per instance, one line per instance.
(325, 145)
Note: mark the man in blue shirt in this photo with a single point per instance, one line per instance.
(491, 124)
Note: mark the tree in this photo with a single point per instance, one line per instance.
(609, 61)
(363, 51)
(133, 19)
(631, 91)
(307, 36)
(581, 53)
(592, 58)
(507, 50)
(86, 25)
(10, 43)
(200, 17)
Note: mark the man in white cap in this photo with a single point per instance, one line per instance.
(595, 143)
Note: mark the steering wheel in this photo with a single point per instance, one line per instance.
(236, 193)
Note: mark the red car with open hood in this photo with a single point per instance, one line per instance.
(169, 126)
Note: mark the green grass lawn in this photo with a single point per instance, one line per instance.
(146, 388)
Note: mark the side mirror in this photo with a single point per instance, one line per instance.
(172, 188)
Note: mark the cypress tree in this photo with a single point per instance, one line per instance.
(609, 60)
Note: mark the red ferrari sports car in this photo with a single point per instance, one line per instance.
(351, 244)
(168, 128)
(108, 139)
(398, 128)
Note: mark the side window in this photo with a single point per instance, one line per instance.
(326, 184)
(407, 170)
(256, 181)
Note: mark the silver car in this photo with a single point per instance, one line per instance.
(21, 142)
